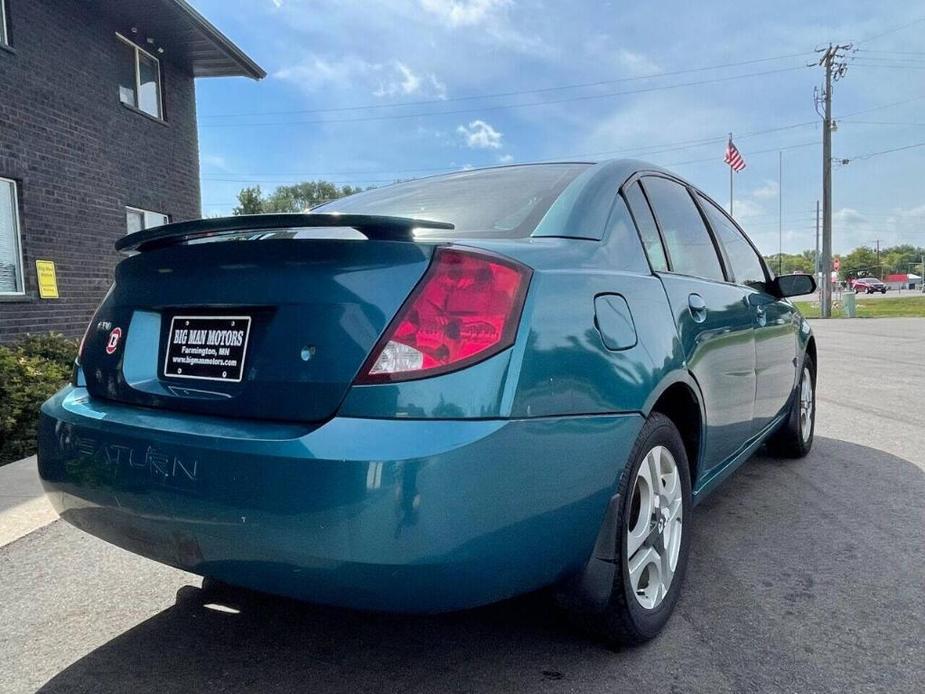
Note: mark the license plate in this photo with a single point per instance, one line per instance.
(210, 348)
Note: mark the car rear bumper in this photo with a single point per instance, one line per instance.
(398, 515)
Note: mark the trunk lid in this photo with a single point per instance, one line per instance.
(303, 314)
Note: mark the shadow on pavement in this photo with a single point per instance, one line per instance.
(804, 576)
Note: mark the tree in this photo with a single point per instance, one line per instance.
(787, 263)
(861, 262)
(298, 197)
(250, 201)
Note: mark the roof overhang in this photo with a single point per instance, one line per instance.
(185, 36)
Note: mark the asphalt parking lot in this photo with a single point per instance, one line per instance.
(805, 576)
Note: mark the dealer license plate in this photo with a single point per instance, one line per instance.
(210, 348)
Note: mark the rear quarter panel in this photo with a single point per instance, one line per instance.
(559, 364)
(566, 369)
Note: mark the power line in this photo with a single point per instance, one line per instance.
(890, 66)
(542, 90)
(500, 107)
(883, 106)
(637, 151)
(870, 155)
(650, 149)
(883, 57)
(752, 153)
(885, 122)
(912, 53)
(890, 31)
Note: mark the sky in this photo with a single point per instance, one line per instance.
(368, 92)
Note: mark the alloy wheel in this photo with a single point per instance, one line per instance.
(806, 405)
(654, 527)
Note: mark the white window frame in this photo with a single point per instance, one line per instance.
(4, 29)
(144, 215)
(17, 239)
(160, 84)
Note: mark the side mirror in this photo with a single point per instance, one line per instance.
(793, 285)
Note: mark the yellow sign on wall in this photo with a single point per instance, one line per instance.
(48, 282)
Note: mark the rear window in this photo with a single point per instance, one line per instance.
(507, 202)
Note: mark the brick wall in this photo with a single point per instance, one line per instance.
(80, 157)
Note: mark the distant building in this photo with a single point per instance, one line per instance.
(97, 138)
(903, 281)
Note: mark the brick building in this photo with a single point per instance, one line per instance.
(97, 138)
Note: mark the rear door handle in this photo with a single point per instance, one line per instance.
(698, 307)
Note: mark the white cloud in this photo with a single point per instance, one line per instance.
(636, 63)
(438, 86)
(505, 158)
(316, 73)
(480, 135)
(405, 82)
(390, 79)
(769, 190)
(456, 13)
(216, 161)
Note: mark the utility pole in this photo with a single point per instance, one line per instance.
(835, 69)
(879, 267)
(816, 257)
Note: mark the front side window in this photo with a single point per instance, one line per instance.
(139, 78)
(746, 265)
(690, 246)
(4, 27)
(11, 280)
(137, 219)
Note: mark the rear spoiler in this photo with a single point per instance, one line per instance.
(370, 225)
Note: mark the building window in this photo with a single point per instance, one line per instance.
(137, 219)
(11, 280)
(139, 78)
(4, 26)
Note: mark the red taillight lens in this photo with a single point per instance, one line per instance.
(465, 309)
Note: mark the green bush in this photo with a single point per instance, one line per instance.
(30, 372)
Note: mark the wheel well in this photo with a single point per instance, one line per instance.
(811, 351)
(680, 405)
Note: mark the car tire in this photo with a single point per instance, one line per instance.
(639, 603)
(794, 438)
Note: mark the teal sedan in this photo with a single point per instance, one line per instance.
(437, 394)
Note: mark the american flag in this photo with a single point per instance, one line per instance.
(733, 157)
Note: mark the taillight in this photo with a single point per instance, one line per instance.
(465, 309)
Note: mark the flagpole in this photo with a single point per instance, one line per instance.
(730, 181)
(780, 213)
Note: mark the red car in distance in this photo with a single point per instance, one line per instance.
(868, 285)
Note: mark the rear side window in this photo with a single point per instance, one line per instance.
(507, 202)
(746, 265)
(690, 246)
(645, 222)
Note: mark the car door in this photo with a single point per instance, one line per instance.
(776, 330)
(714, 322)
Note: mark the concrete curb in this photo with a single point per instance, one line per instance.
(23, 505)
